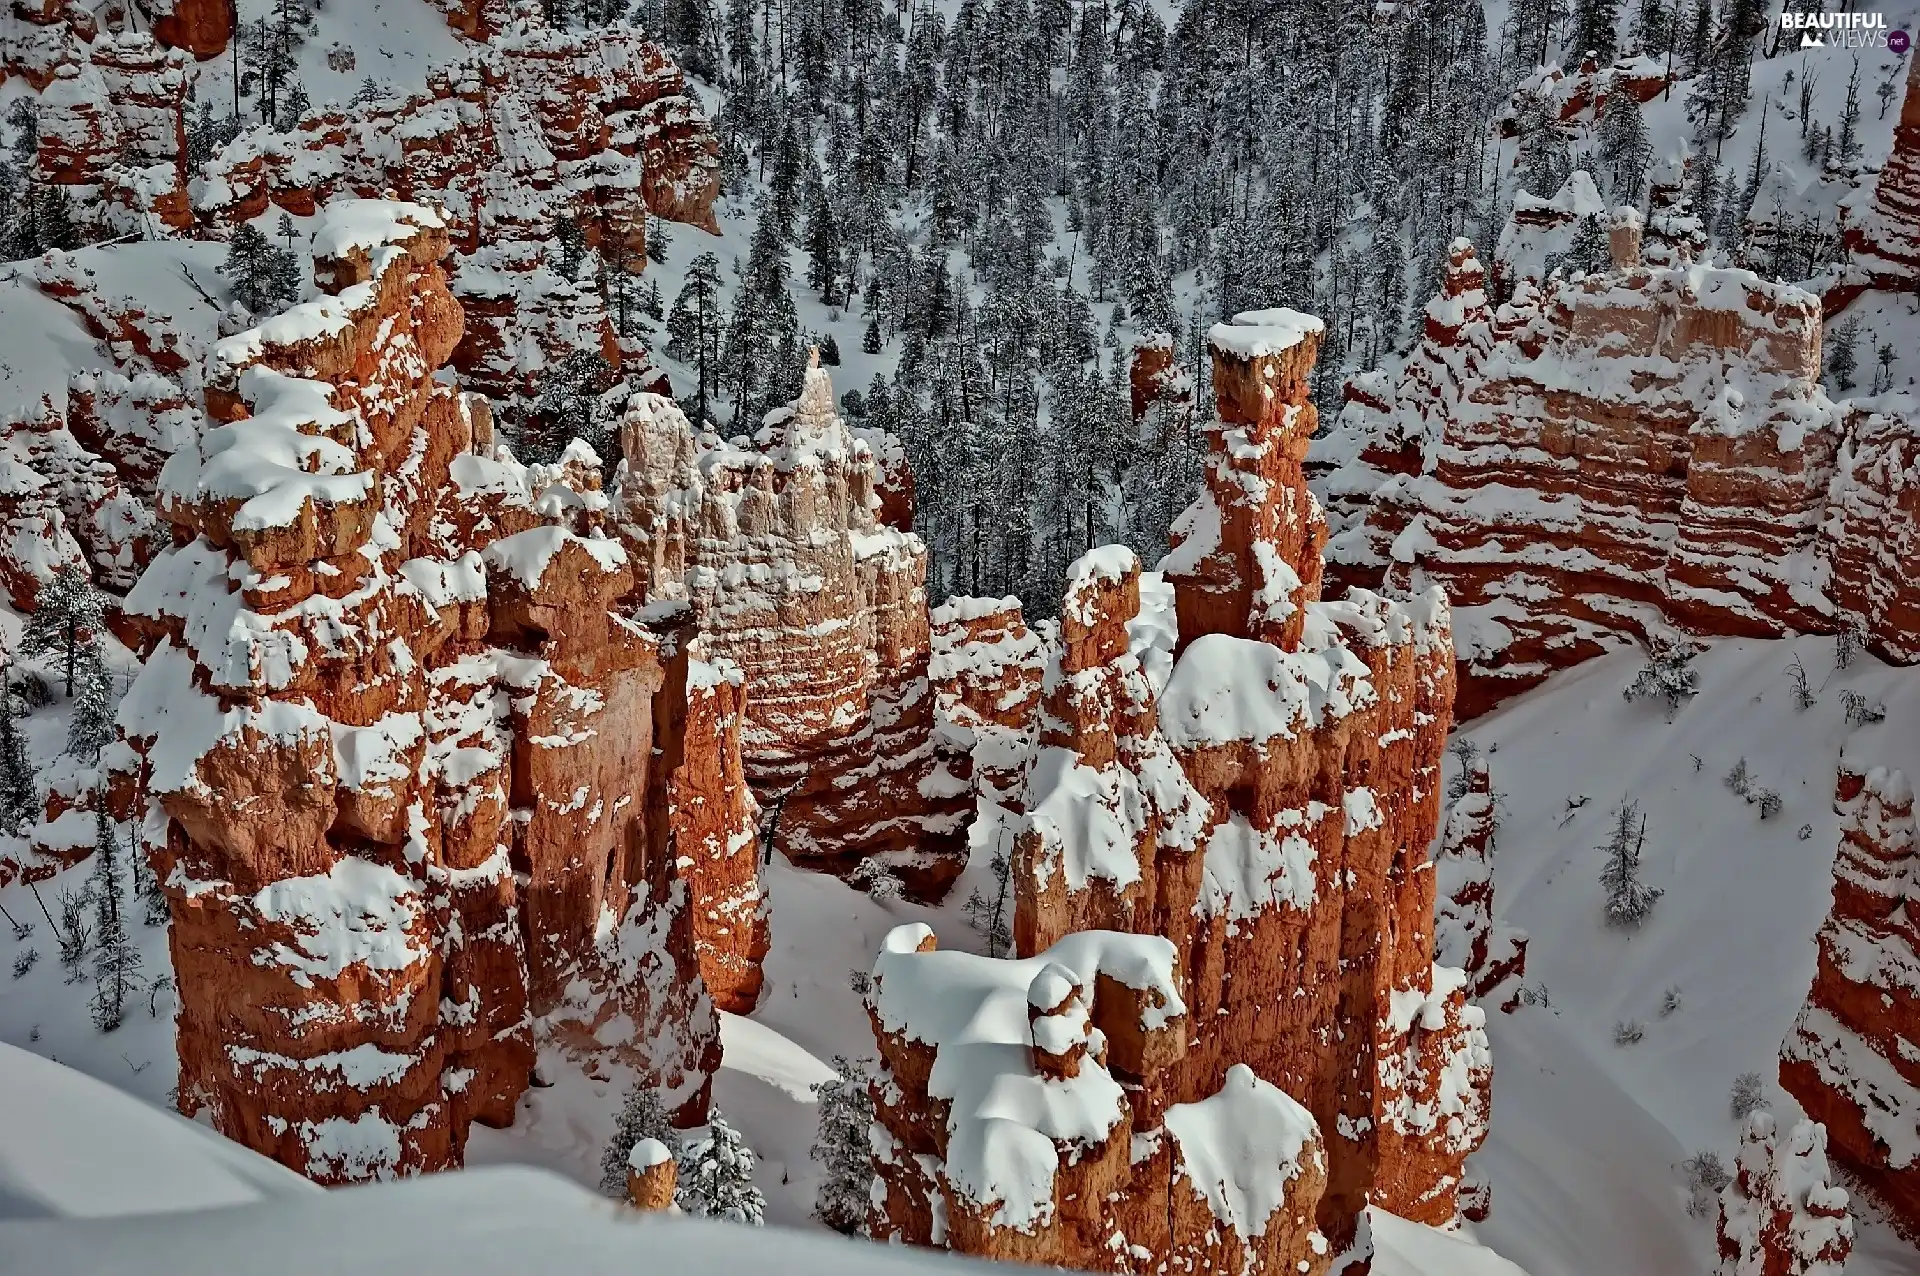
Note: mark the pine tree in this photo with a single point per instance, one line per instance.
(694, 330)
(261, 275)
(67, 617)
(116, 971)
(1595, 29)
(871, 340)
(1625, 149)
(90, 729)
(154, 909)
(840, 1147)
(566, 407)
(18, 798)
(1842, 362)
(1668, 676)
(716, 1176)
(642, 1116)
(1629, 900)
(823, 251)
(75, 935)
(1653, 27)
(103, 884)
(1847, 146)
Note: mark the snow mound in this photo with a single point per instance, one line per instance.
(75, 1148)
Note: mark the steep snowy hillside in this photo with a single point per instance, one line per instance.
(1588, 1135)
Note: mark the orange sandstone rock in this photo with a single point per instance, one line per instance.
(1847, 1059)
(794, 579)
(1242, 828)
(397, 728)
(1492, 954)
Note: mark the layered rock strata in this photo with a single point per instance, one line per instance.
(1605, 458)
(1492, 954)
(1254, 816)
(1782, 1214)
(777, 544)
(1853, 1057)
(410, 759)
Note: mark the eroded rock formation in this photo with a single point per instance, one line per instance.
(1196, 843)
(1095, 1167)
(1782, 1214)
(1850, 1059)
(1492, 954)
(409, 755)
(792, 576)
(535, 127)
(1611, 456)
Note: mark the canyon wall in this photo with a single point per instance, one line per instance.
(1196, 841)
(777, 544)
(1618, 455)
(1635, 451)
(411, 756)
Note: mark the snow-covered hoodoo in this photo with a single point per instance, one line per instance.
(1465, 933)
(413, 765)
(1223, 904)
(780, 548)
(1850, 1059)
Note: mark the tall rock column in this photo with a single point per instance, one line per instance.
(1851, 1059)
(1493, 955)
(794, 578)
(395, 734)
(1262, 809)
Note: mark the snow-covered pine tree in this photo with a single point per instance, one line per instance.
(1625, 151)
(116, 961)
(68, 616)
(840, 1146)
(1740, 778)
(716, 1175)
(103, 883)
(823, 250)
(642, 1116)
(75, 935)
(1847, 145)
(1842, 362)
(1629, 899)
(1748, 1094)
(566, 407)
(90, 729)
(154, 910)
(1668, 676)
(19, 800)
(262, 276)
(1655, 23)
